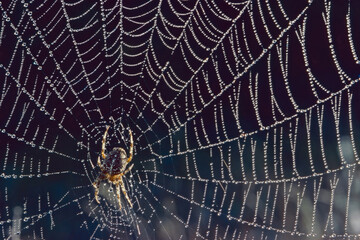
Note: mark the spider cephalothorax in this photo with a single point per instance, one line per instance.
(114, 167)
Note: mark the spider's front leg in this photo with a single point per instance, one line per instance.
(104, 142)
(131, 146)
(99, 163)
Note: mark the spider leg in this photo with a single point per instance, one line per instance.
(124, 192)
(131, 146)
(127, 170)
(99, 163)
(103, 143)
(118, 194)
(96, 186)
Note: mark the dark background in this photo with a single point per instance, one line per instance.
(69, 69)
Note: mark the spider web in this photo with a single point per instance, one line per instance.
(244, 115)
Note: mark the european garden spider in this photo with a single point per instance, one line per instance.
(113, 168)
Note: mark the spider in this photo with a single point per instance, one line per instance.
(113, 168)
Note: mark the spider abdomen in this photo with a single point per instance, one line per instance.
(115, 161)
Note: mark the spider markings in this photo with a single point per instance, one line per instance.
(113, 168)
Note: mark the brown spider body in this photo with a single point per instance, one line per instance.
(115, 162)
(113, 168)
